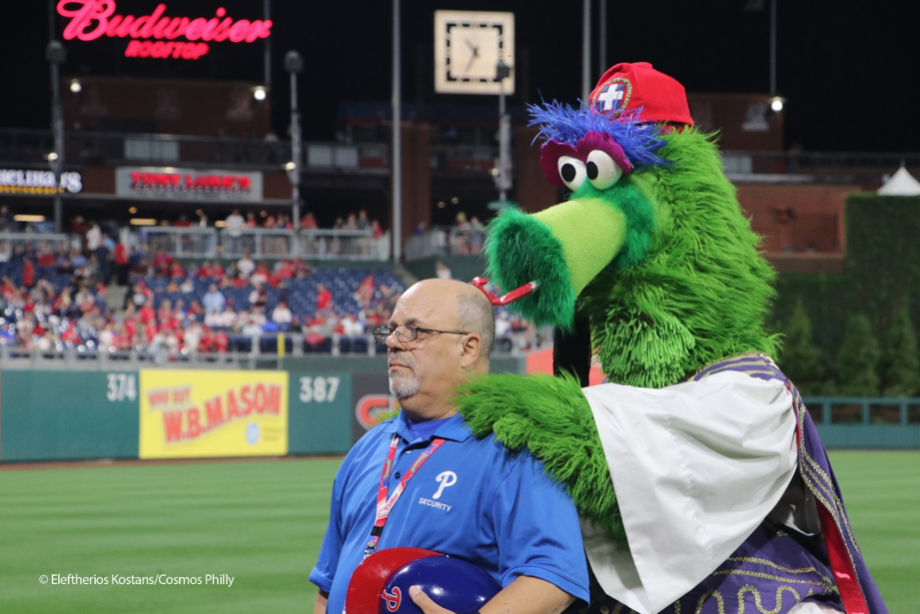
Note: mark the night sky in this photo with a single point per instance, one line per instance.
(848, 70)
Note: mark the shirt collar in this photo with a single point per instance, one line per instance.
(454, 429)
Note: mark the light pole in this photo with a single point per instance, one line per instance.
(397, 139)
(773, 47)
(601, 39)
(293, 63)
(503, 178)
(57, 55)
(586, 52)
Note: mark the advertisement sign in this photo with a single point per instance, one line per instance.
(196, 414)
(167, 183)
(372, 403)
(20, 181)
(159, 33)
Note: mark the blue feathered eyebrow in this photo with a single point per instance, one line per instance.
(564, 124)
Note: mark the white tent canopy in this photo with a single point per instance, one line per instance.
(901, 183)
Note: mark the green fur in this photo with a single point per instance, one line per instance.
(688, 287)
(552, 419)
(640, 215)
(702, 292)
(520, 249)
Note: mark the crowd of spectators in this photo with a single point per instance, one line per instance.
(59, 300)
(465, 237)
(236, 223)
(50, 299)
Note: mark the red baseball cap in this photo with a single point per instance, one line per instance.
(630, 86)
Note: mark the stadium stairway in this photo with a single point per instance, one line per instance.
(115, 297)
(405, 275)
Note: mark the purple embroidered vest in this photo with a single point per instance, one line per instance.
(776, 567)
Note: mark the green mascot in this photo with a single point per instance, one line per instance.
(699, 477)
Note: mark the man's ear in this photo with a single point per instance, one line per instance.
(470, 348)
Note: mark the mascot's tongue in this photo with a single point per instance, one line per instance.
(507, 299)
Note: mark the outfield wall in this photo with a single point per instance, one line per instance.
(315, 406)
(156, 413)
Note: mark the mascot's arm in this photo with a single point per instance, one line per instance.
(552, 419)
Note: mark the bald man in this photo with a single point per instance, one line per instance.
(471, 498)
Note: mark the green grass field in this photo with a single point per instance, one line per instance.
(262, 522)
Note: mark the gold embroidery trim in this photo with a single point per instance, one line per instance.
(752, 354)
(758, 603)
(757, 561)
(720, 603)
(765, 576)
(626, 95)
(808, 471)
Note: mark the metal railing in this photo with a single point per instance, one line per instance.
(13, 244)
(263, 243)
(440, 241)
(246, 352)
(464, 157)
(864, 410)
(86, 147)
(802, 165)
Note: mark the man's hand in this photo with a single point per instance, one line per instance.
(425, 602)
(319, 606)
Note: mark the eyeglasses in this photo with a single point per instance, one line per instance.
(382, 333)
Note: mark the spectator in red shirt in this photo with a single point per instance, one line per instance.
(46, 258)
(28, 274)
(176, 271)
(308, 222)
(121, 264)
(149, 331)
(204, 271)
(323, 299)
(365, 292)
(217, 270)
(161, 261)
(71, 336)
(146, 314)
(220, 342)
(130, 325)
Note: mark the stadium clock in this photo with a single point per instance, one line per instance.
(467, 47)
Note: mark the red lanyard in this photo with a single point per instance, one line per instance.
(384, 504)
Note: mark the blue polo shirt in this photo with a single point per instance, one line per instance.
(473, 499)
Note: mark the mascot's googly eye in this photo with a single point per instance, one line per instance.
(572, 171)
(601, 170)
